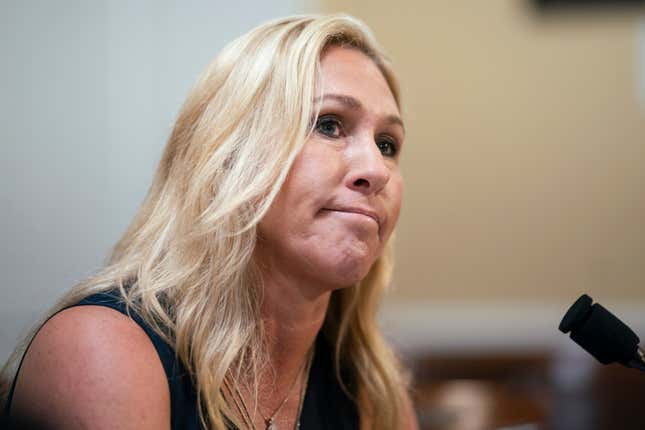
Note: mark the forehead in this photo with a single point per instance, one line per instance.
(350, 72)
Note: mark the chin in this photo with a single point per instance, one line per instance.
(352, 279)
(345, 272)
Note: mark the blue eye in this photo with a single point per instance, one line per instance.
(387, 147)
(329, 126)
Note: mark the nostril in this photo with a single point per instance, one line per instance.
(361, 183)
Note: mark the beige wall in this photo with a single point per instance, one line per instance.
(525, 155)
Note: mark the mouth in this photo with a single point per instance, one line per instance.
(358, 211)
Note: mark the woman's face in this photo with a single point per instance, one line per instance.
(341, 199)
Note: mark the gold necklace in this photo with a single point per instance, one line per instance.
(303, 390)
(270, 421)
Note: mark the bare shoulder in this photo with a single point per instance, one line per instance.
(92, 367)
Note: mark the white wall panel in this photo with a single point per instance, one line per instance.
(89, 91)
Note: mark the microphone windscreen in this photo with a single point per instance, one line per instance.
(601, 333)
(576, 315)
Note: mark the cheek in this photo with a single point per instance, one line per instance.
(395, 200)
(297, 202)
(314, 178)
(397, 195)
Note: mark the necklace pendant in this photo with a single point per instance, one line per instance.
(271, 425)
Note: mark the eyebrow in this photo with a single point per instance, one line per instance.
(355, 104)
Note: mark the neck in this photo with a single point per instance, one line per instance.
(293, 313)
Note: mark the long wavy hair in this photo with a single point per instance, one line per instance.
(189, 250)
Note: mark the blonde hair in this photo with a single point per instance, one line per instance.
(189, 249)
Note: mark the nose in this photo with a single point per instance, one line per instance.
(368, 173)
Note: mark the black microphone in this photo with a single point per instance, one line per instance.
(602, 334)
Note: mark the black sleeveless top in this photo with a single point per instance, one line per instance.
(326, 406)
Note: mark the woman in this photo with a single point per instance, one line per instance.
(244, 292)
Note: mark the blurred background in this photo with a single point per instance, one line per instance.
(524, 167)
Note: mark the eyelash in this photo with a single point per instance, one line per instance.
(328, 119)
(391, 150)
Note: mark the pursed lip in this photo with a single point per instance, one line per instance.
(357, 210)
